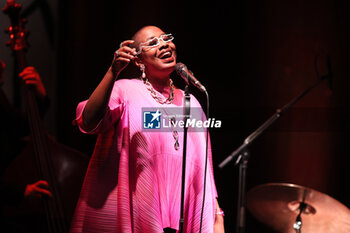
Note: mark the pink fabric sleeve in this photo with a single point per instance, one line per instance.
(114, 111)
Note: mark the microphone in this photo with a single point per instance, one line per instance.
(187, 75)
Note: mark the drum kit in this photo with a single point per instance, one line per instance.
(290, 208)
(286, 208)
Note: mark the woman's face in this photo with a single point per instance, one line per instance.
(159, 60)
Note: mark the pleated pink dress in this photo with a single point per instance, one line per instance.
(133, 182)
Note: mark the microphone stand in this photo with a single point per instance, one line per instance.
(187, 111)
(242, 156)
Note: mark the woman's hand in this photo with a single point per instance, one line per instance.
(123, 56)
(219, 224)
(31, 77)
(219, 220)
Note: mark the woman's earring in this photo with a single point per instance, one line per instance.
(142, 68)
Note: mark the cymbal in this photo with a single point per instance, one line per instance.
(277, 205)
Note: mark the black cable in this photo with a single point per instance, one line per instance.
(206, 164)
(316, 65)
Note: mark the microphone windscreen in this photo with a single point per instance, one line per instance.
(179, 67)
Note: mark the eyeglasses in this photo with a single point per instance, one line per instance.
(155, 42)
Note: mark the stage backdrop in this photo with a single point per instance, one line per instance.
(253, 57)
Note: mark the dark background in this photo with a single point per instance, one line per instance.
(253, 57)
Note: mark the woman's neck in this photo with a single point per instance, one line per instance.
(161, 85)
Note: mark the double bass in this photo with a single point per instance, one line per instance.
(43, 158)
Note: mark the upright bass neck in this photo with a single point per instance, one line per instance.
(18, 43)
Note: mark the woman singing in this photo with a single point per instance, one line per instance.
(133, 183)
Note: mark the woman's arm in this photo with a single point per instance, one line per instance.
(97, 103)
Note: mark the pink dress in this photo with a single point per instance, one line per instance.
(133, 182)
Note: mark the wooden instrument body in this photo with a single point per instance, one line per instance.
(43, 158)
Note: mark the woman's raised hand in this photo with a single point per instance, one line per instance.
(123, 56)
